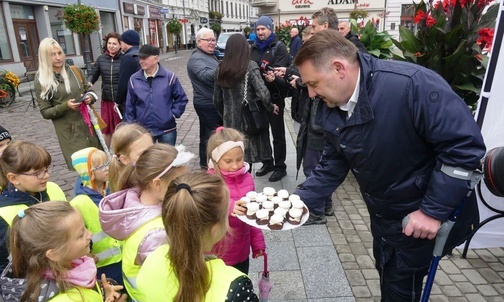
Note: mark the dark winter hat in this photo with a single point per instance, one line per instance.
(131, 37)
(147, 50)
(4, 134)
(266, 22)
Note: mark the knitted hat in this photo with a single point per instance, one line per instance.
(4, 134)
(81, 161)
(131, 37)
(266, 22)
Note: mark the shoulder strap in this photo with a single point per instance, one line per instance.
(274, 48)
(244, 103)
(77, 73)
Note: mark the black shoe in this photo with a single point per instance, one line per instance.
(277, 175)
(264, 170)
(316, 219)
(328, 211)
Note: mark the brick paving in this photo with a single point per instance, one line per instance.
(298, 272)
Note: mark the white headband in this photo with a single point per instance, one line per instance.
(182, 158)
(222, 149)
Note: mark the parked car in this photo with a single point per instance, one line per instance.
(221, 44)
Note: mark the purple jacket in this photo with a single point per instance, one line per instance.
(155, 105)
(122, 213)
(235, 246)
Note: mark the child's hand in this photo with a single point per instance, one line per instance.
(238, 208)
(111, 291)
(259, 253)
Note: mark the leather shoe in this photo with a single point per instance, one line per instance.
(328, 211)
(264, 170)
(277, 175)
(315, 219)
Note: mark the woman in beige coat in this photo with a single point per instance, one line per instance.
(58, 89)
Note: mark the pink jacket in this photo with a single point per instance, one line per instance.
(122, 213)
(235, 246)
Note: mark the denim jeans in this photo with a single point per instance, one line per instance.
(168, 138)
(209, 120)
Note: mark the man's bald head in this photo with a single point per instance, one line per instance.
(344, 27)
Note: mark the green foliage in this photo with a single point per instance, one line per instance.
(81, 19)
(247, 29)
(215, 15)
(283, 31)
(449, 39)
(174, 26)
(378, 44)
(217, 28)
(358, 14)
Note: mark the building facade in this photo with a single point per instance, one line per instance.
(23, 24)
(237, 14)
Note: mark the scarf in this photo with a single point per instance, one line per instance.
(262, 45)
(82, 274)
(233, 174)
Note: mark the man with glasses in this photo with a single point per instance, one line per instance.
(155, 97)
(201, 70)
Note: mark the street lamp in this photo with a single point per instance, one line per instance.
(87, 59)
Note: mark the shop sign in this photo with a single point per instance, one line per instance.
(140, 10)
(334, 2)
(129, 8)
(184, 20)
(203, 20)
(301, 3)
(154, 13)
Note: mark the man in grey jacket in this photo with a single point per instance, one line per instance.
(201, 69)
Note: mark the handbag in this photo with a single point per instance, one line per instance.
(254, 116)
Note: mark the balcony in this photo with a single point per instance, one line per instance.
(260, 3)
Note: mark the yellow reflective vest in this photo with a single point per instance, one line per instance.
(9, 212)
(106, 248)
(78, 294)
(130, 251)
(157, 282)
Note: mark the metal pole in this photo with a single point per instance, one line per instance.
(183, 17)
(87, 59)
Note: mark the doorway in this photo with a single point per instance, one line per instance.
(28, 42)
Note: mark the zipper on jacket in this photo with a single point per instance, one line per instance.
(112, 79)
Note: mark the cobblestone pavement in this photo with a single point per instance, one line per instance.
(345, 269)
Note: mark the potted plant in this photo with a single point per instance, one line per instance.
(174, 26)
(9, 83)
(449, 38)
(378, 44)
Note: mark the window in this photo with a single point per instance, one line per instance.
(107, 22)
(407, 16)
(60, 33)
(5, 51)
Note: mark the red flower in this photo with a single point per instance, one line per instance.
(418, 54)
(485, 38)
(419, 17)
(483, 3)
(464, 2)
(430, 21)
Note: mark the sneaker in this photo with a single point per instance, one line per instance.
(328, 211)
(316, 219)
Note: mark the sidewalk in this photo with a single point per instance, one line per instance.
(330, 263)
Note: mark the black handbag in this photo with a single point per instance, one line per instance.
(254, 116)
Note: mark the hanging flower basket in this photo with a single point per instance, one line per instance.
(81, 19)
(9, 82)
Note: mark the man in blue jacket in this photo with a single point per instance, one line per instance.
(407, 138)
(155, 97)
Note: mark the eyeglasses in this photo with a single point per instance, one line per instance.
(103, 167)
(211, 41)
(40, 174)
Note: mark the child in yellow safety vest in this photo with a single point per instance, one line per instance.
(92, 165)
(133, 215)
(24, 173)
(195, 215)
(50, 246)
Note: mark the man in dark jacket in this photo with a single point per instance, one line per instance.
(295, 44)
(345, 30)
(408, 139)
(201, 70)
(326, 18)
(155, 97)
(130, 41)
(269, 51)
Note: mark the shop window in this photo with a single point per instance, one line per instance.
(59, 32)
(107, 23)
(407, 16)
(5, 51)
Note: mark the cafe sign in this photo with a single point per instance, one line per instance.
(301, 3)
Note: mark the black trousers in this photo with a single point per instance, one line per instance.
(209, 120)
(242, 266)
(278, 131)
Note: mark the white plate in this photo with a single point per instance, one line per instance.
(287, 225)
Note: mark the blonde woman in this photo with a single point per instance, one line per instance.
(59, 89)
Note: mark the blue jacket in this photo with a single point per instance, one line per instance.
(155, 106)
(406, 124)
(129, 65)
(294, 47)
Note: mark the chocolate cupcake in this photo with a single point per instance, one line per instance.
(262, 217)
(276, 222)
(295, 216)
(252, 209)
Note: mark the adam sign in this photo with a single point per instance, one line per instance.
(301, 3)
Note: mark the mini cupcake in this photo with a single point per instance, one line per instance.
(276, 200)
(246, 199)
(276, 222)
(260, 198)
(252, 208)
(295, 216)
(293, 197)
(298, 204)
(262, 217)
(283, 194)
(252, 195)
(268, 205)
(269, 192)
(280, 211)
(285, 204)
